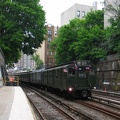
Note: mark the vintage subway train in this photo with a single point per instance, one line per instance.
(76, 78)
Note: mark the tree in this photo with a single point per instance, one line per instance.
(81, 39)
(90, 44)
(22, 27)
(37, 60)
(113, 33)
(66, 36)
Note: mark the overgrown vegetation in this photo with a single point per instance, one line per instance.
(113, 31)
(81, 39)
(87, 38)
(38, 61)
(22, 28)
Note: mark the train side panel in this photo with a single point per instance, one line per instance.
(44, 78)
(50, 78)
(57, 81)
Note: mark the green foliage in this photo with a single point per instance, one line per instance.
(22, 27)
(81, 39)
(91, 44)
(37, 60)
(66, 36)
(114, 28)
(94, 18)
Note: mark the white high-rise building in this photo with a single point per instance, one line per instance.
(76, 11)
(26, 62)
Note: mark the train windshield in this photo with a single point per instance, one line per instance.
(83, 63)
(83, 71)
(84, 68)
(71, 71)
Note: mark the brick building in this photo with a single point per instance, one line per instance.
(44, 52)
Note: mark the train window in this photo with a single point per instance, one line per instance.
(83, 75)
(79, 63)
(80, 68)
(84, 68)
(71, 71)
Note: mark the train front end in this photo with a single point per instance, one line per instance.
(81, 79)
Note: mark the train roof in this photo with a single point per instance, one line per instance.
(39, 70)
(56, 67)
(77, 62)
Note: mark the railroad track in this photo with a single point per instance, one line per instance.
(41, 117)
(76, 112)
(111, 113)
(107, 93)
(51, 105)
(67, 111)
(110, 98)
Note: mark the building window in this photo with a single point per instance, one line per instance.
(51, 53)
(47, 60)
(78, 13)
(49, 32)
(83, 14)
(51, 60)
(49, 39)
(47, 46)
(55, 33)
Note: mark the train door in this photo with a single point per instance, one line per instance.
(82, 77)
(71, 77)
(92, 77)
(64, 78)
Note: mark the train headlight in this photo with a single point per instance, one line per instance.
(70, 89)
(94, 87)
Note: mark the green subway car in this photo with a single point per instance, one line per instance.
(76, 78)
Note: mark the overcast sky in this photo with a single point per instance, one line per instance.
(54, 8)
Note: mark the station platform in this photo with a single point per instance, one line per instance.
(14, 104)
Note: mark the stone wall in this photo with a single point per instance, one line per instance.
(108, 73)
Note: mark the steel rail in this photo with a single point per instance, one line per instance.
(98, 108)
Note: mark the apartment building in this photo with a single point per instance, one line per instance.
(44, 52)
(76, 11)
(25, 62)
